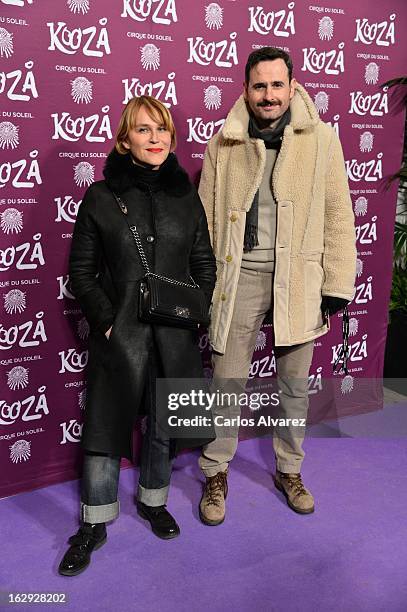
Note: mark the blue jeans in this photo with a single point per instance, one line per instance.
(100, 478)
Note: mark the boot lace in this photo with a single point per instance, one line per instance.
(215, 487)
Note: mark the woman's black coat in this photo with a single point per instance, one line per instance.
(105, 269)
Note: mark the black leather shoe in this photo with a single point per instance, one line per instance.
(83, 543)
(162, 523)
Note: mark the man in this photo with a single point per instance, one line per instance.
(275, 192)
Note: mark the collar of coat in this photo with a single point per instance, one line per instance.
(120, 175)
(303, 115)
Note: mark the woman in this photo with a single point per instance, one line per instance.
(125, 354)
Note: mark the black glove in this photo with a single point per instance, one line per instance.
(332, 304)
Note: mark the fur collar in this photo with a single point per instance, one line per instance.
(303, 115)
(120, 176)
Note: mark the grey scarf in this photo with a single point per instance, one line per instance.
(272, 140)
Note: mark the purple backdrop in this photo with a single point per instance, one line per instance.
(66, 69)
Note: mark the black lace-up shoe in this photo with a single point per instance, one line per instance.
(162, 523)
(77, 558)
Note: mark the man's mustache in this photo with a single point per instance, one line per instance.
(266, 103)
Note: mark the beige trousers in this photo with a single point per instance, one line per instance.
(231, 371)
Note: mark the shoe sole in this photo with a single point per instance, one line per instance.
(171, 536)
(289, 503)
(75, 573)
(208, 522)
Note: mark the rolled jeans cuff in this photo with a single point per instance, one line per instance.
(152, 497)
(100, 514)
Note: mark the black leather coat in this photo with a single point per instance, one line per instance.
(104, 272)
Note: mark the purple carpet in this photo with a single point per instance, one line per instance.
(350, 555)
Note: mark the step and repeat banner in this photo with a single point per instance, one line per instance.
(66, 70)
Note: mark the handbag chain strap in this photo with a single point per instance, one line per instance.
(137, 240)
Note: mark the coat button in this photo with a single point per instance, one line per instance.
(229, 258)
(233, 217)
(223, 297)
(150, 238)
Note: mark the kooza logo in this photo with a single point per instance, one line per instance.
(370, 171)
(6, 43)
(366, 141)
(64, 292)
(162, 90)
(361, 206)
(150, 57)
(14, 301)
(23, 256)
(72, 361)
(382, 34)
(84, 174)
(68, 128)
(16, 2)
(213, 16)
(375, 105)
(71, 431)
(10, 81)
(17, 171)
(20, 451)
(79, 6)
(371, 73)
(163, 12)
(367, 233)
(8, 135)
(321, 100)
(67, 209)
(17, 378)
(11, 221)
(212, 97)
(202, 132)
(81, 90)
(29, 408)
(222, 53)
(330, 62)
(278, 23)
(325, 28)
(90, 41)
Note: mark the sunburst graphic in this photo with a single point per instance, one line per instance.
(150, 57)
(81, 90)
(353, 326)
(78, 6)
(361, 206)
(8, 135)
(347, 384)
(83, 329)
(6, 43)
(321, 100)
(82, 399)
(17, 378)
(11, 221)
(213, 97)
(359, 267)
(325, 28)
(213, 16)
(20, 451)
(261, 341)
(371, 73)
(84, 174)
(366, 142)
(14, 301)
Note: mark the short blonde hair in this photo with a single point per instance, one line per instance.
(156, 110)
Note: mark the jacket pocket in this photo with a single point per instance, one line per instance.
(314, 279)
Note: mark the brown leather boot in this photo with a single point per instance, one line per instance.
(212, 506)
(298, 498)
